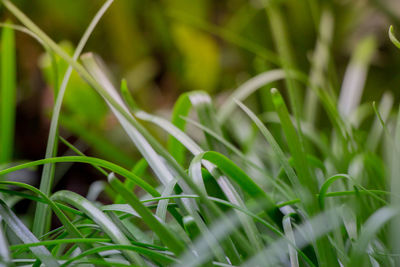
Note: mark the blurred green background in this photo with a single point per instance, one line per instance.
(164, 48)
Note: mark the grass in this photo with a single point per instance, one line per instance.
(228, 188)
(8, 95)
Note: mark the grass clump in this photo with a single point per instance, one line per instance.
(275, 188)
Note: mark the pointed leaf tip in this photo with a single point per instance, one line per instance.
(393, 38)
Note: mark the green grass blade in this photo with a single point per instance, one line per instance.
(47, 179)
(126, 95)
(140, 141)
(99, 218)
(182, 107)
(26, 236)
(370, 229)
(378, 126)
(100, 144)
(233, 171)
(304, 234)
(295, 146)
(4, 249)
(7, 95)
(165, 235)
(158, 257)
(246, 89)
(201, 103)
(273, 143)
(93, 161)
(287, 226)
(73, 231)
(393, 37)
(184, 140)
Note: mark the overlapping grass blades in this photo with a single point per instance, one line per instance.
(216, 207)
(51, 150)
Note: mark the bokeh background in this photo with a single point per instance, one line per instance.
(164, 48)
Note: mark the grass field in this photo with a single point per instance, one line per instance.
(291, 168)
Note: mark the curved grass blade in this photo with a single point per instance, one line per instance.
(7, 95)
(165, 235)
(72, 230)
(140, 140)
(319, 64)
(378, 126)
(127, 97)
(154, 255)
(175, 132)
(60, 241)
(287, 227)
(201, 102)
(5, 258)
(233, 171)
(99, 218)
(373, 225)
(273, 143)
(42, 211)
(139, 169)
(305, 234)
(26, 236)
(306, 177)
(93, 161)
(246, 89)
(393, 38)
(282, 43)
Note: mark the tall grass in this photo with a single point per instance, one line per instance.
(300, 195)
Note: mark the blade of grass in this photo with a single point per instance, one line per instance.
(282, 43)
(319, 63)
(99, 218)
(93, 161)
(165, 235)
(273, 143)
(73, 231)
(394, 186)
(158, 257)
(246, 89)
(304, 175)
(393, 37)
(5, 258)
(26, 236)
(374, 224)
(7, 95)
(355, 76)
(141, 142)
(42, 214)
(320, 224)
(375, 133)
(233, 171)
(287, 226)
